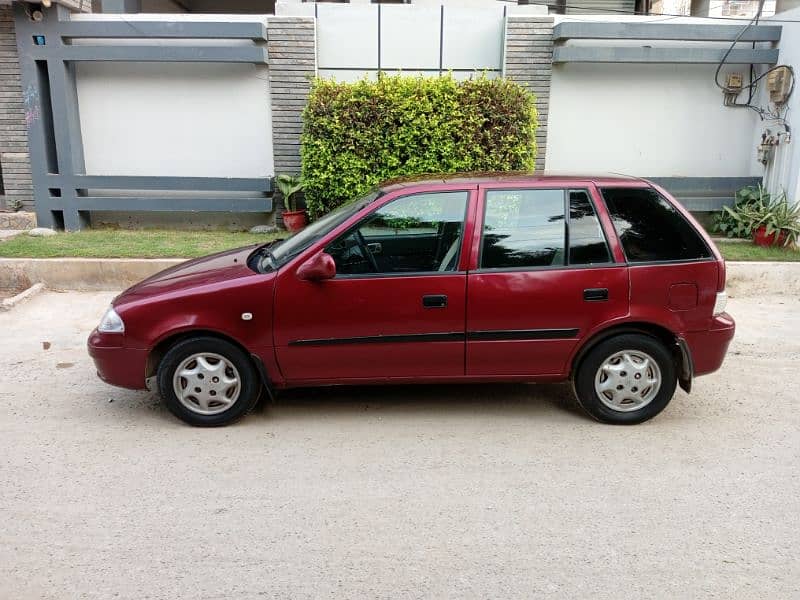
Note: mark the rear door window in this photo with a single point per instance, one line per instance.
(523, 228)
(650, 228)
(530, 228)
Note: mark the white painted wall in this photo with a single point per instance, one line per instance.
(784, 172)
(207, 119)
(646, 120)
(183, 119)
(661, 120)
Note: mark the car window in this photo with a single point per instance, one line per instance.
(587, 244)
(523, 228)
(279, 254)
(420, 233)
(650, 228)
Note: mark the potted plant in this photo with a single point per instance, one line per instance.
(779, 225)
(767, 221)
(748, 208)
(290, 186)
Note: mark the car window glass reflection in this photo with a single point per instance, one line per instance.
(421, 233)
(587, 244)
(523, 228)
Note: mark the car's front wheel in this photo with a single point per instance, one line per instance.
(626, 379)
(208, 382)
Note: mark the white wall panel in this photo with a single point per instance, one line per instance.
(646, 120)
(473, 37)
(175, 119)
(410, 38)
(347, 36)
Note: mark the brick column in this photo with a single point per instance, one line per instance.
(528, 61)
(291, 45)
(14, 155)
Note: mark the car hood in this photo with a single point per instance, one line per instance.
(208, 270)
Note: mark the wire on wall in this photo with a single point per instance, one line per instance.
(774, 111)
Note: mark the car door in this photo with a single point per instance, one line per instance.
(395, 308)
(544, 278)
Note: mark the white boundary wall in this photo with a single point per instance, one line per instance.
(214, 119)
(657, 120)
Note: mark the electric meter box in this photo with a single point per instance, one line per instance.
(779, 82)
(734, 82)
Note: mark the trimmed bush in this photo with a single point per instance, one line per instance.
(356, 135)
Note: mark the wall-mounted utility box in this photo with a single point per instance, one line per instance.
(733, 83)
(779, 84)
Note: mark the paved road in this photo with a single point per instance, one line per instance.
(440, 492)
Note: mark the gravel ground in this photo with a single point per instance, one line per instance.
(436, 492)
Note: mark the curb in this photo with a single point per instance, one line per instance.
(81, 274)
(10, 303)
(760, 278)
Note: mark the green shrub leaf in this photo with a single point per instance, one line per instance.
(356, 135)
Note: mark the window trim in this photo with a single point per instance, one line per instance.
(666, 261)
(566, 266)
(349, 230)
(568, 221)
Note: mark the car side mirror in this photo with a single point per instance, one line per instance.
(318, 268)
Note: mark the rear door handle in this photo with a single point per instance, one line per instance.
(595, 294)
(434, 301)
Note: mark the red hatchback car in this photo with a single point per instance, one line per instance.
(606, 282)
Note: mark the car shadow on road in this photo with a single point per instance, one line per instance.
(353, 402)
(427, 400)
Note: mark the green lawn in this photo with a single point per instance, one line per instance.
(747, 251)
(119, 243)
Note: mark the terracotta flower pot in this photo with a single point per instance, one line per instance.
(295, 220)
(760, 237)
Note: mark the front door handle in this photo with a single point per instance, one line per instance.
(595, 294)
(434, 301)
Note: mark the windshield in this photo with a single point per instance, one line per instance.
(278, 254)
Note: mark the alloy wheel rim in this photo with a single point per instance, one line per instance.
(628, 380)
(207, 383)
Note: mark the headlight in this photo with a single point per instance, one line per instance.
(111, 322)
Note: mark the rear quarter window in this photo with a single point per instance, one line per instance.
(650, 228)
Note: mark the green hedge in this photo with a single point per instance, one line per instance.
(356, 135)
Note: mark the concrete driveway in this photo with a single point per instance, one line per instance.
(436, 492)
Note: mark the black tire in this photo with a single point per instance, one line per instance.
(589, 398)
(249, 381)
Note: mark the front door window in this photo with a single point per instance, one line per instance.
(421, 233)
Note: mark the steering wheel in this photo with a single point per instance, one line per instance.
(362, 243)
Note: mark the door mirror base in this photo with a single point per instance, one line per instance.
(319, 267)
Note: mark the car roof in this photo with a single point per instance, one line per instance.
(510, 177)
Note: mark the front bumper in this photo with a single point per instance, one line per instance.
(708, 348)
(116, 364)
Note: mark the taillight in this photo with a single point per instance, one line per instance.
(721, 275)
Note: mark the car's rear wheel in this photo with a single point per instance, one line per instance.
(208, 382)
(626, 379)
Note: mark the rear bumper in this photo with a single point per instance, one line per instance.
(117, 365)
(708, 348)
